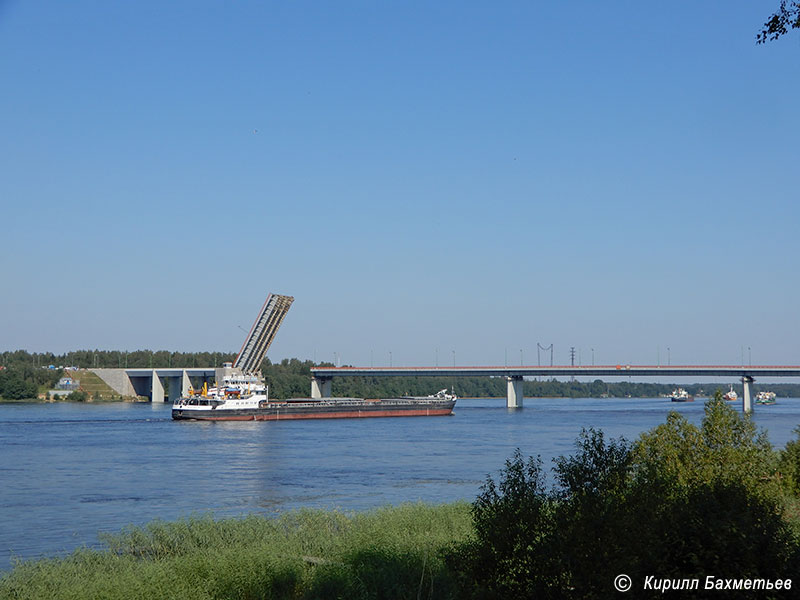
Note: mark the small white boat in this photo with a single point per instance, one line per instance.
(730, 395)
(681, 395)
(765, 398)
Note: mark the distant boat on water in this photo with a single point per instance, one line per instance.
(765, 398)
(730, 395)
(681, 395)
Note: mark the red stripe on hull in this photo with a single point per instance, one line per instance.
(231, 418)
(355, 415)
(330, 415)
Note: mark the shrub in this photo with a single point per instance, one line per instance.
(683, 502)
(510, 555)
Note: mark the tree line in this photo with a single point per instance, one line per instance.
(116, 359)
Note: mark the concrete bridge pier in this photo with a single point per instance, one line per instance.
(747, 401)
(321, 387)
(514, 392)
(156, 388)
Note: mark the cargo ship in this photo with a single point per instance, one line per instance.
(240, 394)
(730, 395)
(244, 397)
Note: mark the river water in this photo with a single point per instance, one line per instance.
(69, 471)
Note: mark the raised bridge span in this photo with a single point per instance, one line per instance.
(150, 382)
(322, 376)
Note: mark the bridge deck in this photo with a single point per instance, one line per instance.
(577, 371)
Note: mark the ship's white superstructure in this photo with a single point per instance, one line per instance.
(237, 391)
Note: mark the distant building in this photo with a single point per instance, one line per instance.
(68, 383)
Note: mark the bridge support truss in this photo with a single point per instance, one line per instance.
(514, 392)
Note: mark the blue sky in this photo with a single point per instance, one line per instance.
(468, 177)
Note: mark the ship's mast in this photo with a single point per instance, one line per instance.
(262, 333)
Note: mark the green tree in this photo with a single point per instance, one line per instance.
(77, 396)
(13, 385)
(726, 448)
(593, 513)
(682, 502)
(720, 527)
(785, 18)
(511, 554)
(789, 465)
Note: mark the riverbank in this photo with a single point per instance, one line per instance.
(392, 552)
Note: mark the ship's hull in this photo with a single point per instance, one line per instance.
(682, 398)
(326, 409)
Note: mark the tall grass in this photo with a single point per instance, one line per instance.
(388, 553)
